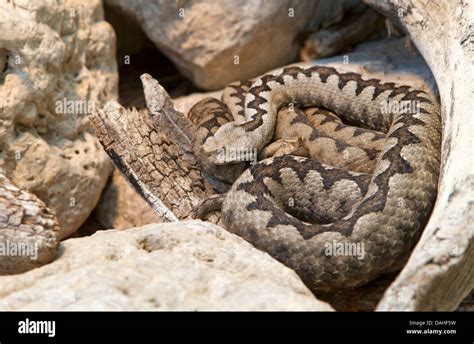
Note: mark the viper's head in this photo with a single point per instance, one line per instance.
(228, 141)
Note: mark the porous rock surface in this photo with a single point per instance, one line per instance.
(57, 61)
(176, 266)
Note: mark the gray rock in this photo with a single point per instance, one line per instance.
(176, 266)
(216, 42)
(57, 61)
(120, 207)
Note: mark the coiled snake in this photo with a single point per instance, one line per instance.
(310, 211)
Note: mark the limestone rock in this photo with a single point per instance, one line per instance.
(57, 61)
(440, 271)
(29, 232)
(176, 266)
(390, 60)
(185, 103)
(120, 207)
(216, 42)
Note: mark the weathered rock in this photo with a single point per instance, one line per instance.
(216, 42)
(180, 266)
(390, 60)
(467, 305)
(185, 103)
(89, 227)
(440, 271)
(359, 24)
(56, 62)
(120, 207)
(29, 232)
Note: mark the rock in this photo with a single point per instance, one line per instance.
(131, 39)
(57, 61)
(390, 60)
(185, 103)
(120, 207)
(175, 266)
(440, 271)
(216, 42)
(29, 232)
(353, 29)
(89, 227)
(467, 304)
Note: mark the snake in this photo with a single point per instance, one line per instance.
(338, 222)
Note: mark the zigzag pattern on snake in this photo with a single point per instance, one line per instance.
(300, 209)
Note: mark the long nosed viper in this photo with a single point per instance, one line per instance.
(365, 178)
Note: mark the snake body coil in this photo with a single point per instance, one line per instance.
(315, 215)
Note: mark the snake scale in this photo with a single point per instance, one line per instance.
(304, 207)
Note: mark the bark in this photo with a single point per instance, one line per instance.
(440, 271)
(153, 150)
(29, 231)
